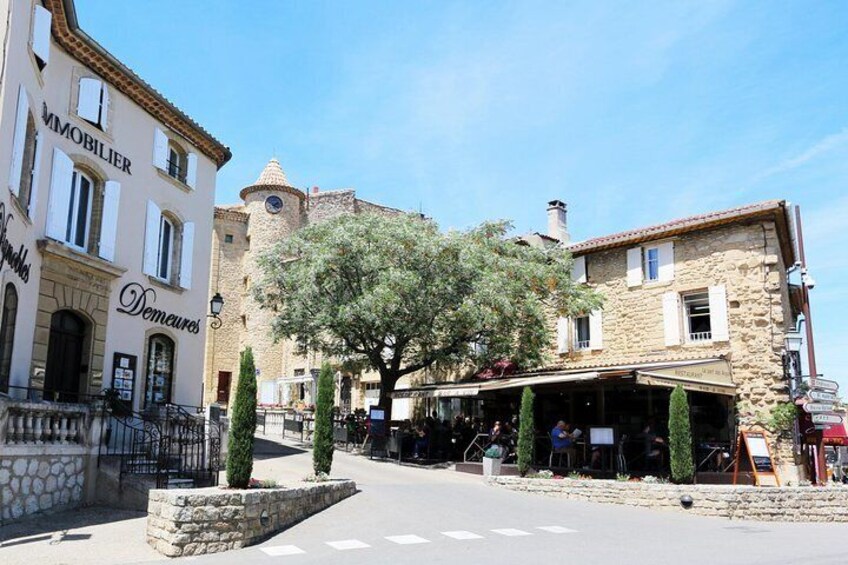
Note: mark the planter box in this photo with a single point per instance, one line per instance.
(491, 466)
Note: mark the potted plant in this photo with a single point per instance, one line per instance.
(492, 459)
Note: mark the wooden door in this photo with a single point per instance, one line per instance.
(224, 378)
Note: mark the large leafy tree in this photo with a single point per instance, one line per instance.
(394, 292)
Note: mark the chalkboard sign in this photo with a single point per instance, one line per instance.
(377, 430)
(753, 454)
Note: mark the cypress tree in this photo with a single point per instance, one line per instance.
(680, 438)
(242, 425)
(322, 443)
(526, 432)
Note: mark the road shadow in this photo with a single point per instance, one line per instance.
(57, 526)
(267, 449)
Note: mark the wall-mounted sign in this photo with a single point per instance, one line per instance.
(15, 258)
(123, 375)
(85, 140)
(136, 301)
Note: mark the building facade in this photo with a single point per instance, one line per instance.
(272, 210)
(106, 199)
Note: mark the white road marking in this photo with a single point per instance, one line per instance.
(462, 534)
(347, 544)
(512, 532)
(277, 550)
(407, 540)
(556, 529)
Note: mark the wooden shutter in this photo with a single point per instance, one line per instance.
(109, 221)
(578, 269)
(88, 102)
(187, 255)
(562, 334)
(671, 318)
(19, 142)
(59, 203)
(42, 19)
(160, 149)
(36, 165)
(151, 238)
(718, 313)
(596, 330)
(634, 266)
(191, 170)
(666, 260)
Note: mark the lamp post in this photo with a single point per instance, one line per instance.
(215, 307)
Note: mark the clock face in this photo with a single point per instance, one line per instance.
(274, 204)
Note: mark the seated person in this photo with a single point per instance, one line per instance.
(561, 436)
(422, 442)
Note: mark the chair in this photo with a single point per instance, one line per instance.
(569, 453)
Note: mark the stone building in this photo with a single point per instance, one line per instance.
(272, 210)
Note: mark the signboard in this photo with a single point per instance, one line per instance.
(123, 376)
(753, 454)
(818, 407)
(378, 430)
(824, 384)
(821, 396)
(826, 419)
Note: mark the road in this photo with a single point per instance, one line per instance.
(411, 515)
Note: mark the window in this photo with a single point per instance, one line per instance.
(176, 162)
(696, 308)
(79, 211)
(93, 101)
(168, 247)
(40, 39)
(652, 264)
(160, 368)
(7, 334)
(581, 333)
(170, 157)
(166, 244)
(228, 238)
(23, 176)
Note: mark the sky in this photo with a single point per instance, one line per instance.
(632, 113)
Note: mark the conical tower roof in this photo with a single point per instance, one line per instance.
(272, 177)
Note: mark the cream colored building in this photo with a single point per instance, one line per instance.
(272, 210)
(107, 196)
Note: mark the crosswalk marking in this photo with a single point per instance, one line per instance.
(462, 534)
(277, 550)
(347, 544)
(407, 540)
(512, 532)
(556, 529)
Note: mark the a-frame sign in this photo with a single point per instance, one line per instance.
(753, 455)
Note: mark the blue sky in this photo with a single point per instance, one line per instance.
(633, 113)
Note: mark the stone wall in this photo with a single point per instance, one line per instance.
(786, 504)
(211, 520)
(40, 483)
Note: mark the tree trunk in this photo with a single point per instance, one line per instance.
(387, 385)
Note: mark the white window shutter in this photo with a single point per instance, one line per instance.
(109, 221)
(718, 313)
(160, 149)
(666, 260)
(187, 255)
(19, 142)
(191, 170)
(36, 166)
(634, 266)
(59, 203)
(596, 330)
(671, 318)
(42, 19)
(562, 334)
(578, 269)
(151, 238)
(88, 102)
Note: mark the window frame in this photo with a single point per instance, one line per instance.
(703, 297)
(8, 321)
(647, 261)
(72, 226)
(584, 323)
(149, 383)
(171, 245)
(177, 170)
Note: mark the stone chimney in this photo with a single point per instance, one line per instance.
(557, 224)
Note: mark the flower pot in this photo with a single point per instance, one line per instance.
(491, 466)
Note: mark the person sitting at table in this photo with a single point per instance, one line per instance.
(562, 442)
(653, 447)
(422, 441)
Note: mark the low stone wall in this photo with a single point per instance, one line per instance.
(210, 520)
(786, 504)
(31, 484)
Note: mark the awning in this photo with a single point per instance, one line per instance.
(437, 391)
(836, 435)
(711, 376)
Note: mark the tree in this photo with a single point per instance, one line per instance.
(322, 444)
(680, 437)
(526, 432)
(395, 293)
(242, 425)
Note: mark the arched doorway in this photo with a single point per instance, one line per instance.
(64, 357)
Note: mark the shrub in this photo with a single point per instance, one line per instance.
(526, 432)
(322, 444)
(680, 438)
(622, 477)
(243, 425)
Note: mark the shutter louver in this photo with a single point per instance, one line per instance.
(109, 221)
(718, 313)
(596, 330)
(671, 318)
(59, 203)
(666, 261)
(187, 255)
(151, 238)
(578, 269)
(634, 267)
(160, 149)
(19, 142)
(88, 103)
(562, 335)
(42, 18)
(191, 170)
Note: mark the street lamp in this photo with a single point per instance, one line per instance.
(215, 306)
(792, 342)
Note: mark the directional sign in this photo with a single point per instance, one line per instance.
(821, 396)
(824, 384)
(822, 427)
(826, 419)
(817, 407)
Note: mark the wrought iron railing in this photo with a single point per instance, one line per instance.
(700, 336)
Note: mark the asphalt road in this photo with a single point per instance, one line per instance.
(411, 515)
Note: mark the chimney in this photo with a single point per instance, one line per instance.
(315, 190)
(557, 225)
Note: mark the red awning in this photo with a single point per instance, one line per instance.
(836, 435)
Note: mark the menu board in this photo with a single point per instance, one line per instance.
(377, 430)
(124, 368)
(753, 455)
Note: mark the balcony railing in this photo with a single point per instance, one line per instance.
(581, 344)
(176, 171)
(696, 337)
